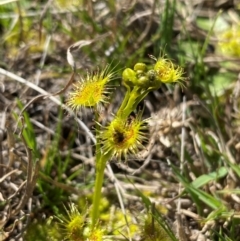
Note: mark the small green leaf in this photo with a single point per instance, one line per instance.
(206, 178)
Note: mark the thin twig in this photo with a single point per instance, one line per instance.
(43, 58)
(180, 230)
(7, 175)
(145, 163)
(78, 45)
(1, 156)
(149, 24)
(17, 191)
(182, 146)
(52, 98)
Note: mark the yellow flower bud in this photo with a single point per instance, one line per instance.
(143, 81)
(140, 67)
(167, 72)
(129, 77)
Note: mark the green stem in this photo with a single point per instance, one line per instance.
(97, 127)
(100, 167)
(140, 98)
(135, 97)
(124, 102)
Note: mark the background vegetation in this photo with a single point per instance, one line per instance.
(190, 167)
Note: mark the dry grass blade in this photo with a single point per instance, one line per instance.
(66, 86)
(148, 26)
(78, 45)
(179, 221)
(32, 172)
(47, 96)
(54, 99)
(63, 186)
(42, 16)
(11, 146)
(17, 191)
(7, 175)
(1, 156)
(7, 1)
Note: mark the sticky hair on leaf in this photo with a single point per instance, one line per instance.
(122, 137)
(91, 91)
(72, 225)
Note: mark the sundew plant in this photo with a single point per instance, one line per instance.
(127, 149)
(125, 134)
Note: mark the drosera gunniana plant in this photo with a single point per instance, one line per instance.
(123, 135)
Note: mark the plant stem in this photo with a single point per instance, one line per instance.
(100, 167)
(97, 128)
(124, 102)
(131, 102)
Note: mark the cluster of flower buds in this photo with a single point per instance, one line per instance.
(164, 71)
